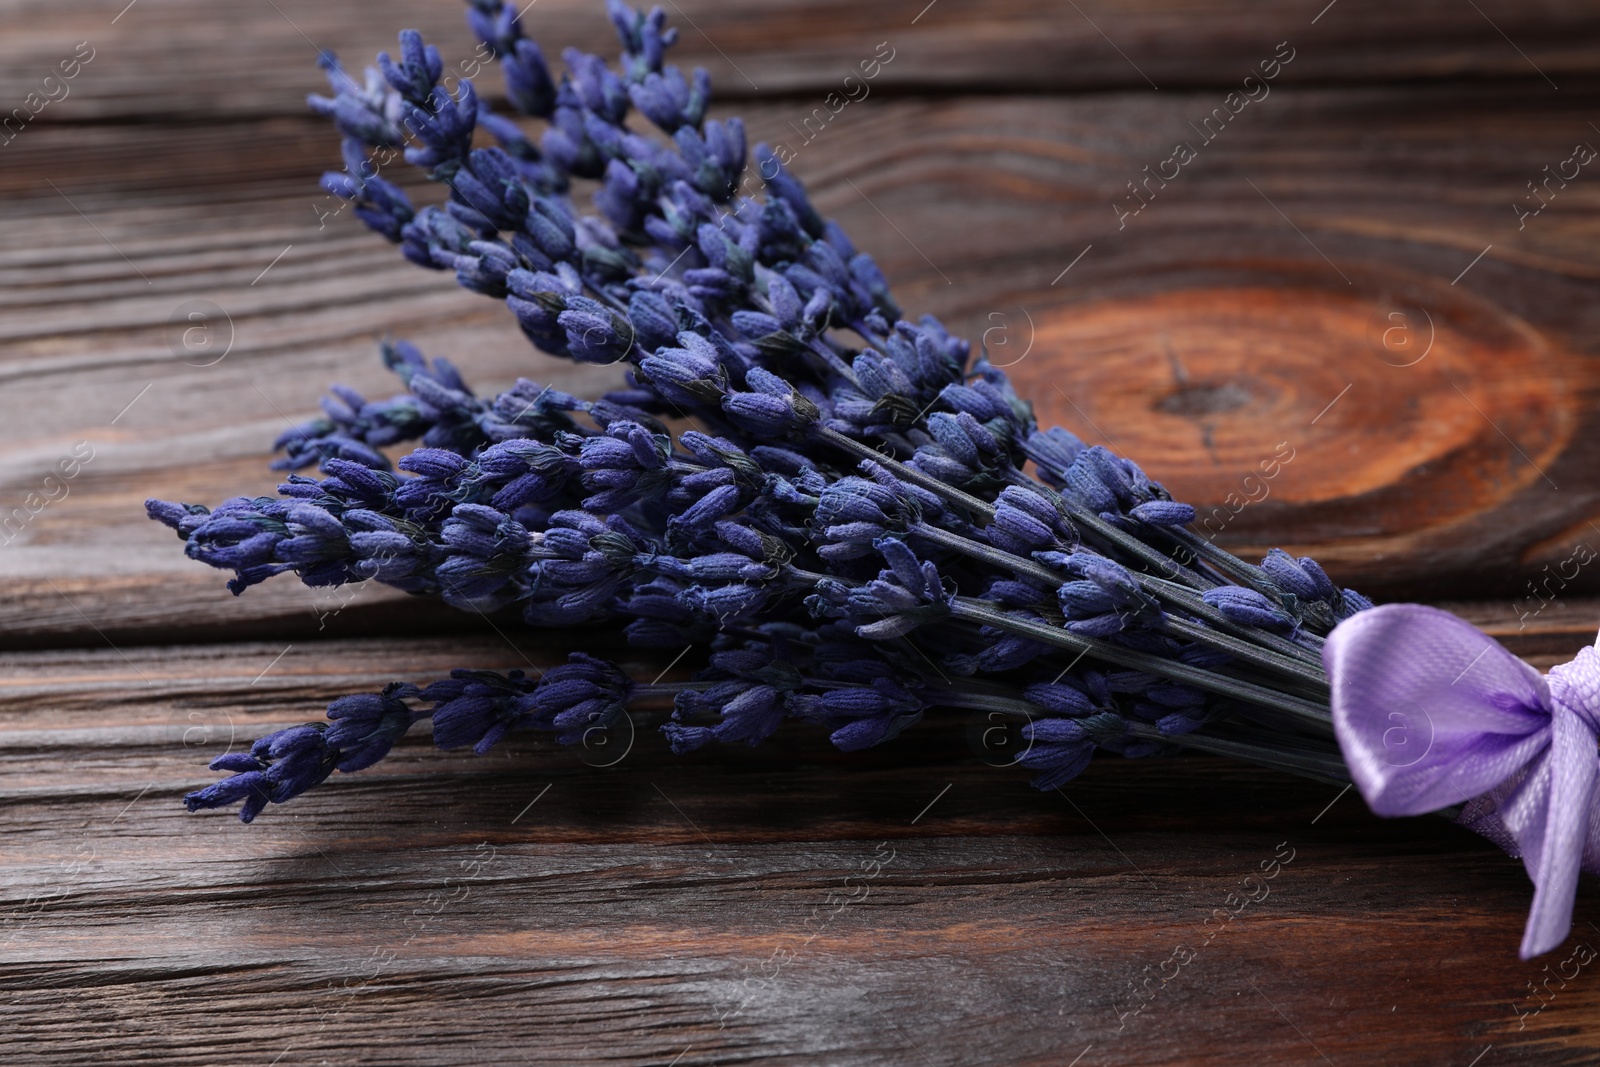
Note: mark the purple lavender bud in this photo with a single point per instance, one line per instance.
(430, 234)
(356, 119)
(1014, 593)
(919, 578)
(288, 763)
(645, 38)
(565, 142)
(486, 548)
(1248, 607)
(974, 401)
(713, 285)
(1023, 532)
(1112, 472)
(738, 602)
(489, 184)
(1060, 698)
(1099, 625)
(238, 536)
(685, 739)
(714, 505)
(713, 161)
(601, 91)
(434, 463)
(857, 500)
(663, 98)
(621, 197)
(353, 481)
(1285, 570)
(765, 415)
(444, 127)
(866, 732)
(1108, 575)
(751, 716)
(932, 461)
(863, 715)
(1042, 505)
(384, 208)
(849, 540)
(538, 299)
(756, 324)
(493, 24)
(654, 321)
(366, 725)
(476, 719)
(982, 438)
(1164, 513)
(251, 786)
(1352, 602)
(724, 140)
(581, 695)
(1009, 652)
(948, 431)
(315, 536)
(723, 567)
(595, 333)
(1083, 482)
(1084, 600)
(871, 288)
(1325, 589)
(528, 81)
(359, 112)
(783, 187)
(549, 229)
(485, 269)
(1177, 723)
(1170, 695)
(1055, 732)
(1057, 764)
(690, 375)
(183, 518)
(881, 376)
(418, 71)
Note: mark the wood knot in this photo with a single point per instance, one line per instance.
(1198, 401)
(1202, 386)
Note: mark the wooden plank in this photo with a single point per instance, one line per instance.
(443, 908)
(423, 912)
(171, 59)
(1220, 323)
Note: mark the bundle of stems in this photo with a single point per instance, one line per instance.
(851, 516)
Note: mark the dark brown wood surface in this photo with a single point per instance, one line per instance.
(687, 910)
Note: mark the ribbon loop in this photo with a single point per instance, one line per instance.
(1430, 712)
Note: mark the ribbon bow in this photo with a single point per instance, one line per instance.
(1431, 712)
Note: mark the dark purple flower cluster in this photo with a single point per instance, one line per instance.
(863, 522)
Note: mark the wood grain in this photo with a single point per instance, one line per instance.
(527, 908)
(424, 912)
(1198, 338)
(151, 61)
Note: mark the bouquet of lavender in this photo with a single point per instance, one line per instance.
(856, 519)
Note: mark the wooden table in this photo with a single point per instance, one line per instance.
(1341, 270)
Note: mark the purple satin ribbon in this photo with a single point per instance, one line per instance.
(1431, 712)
